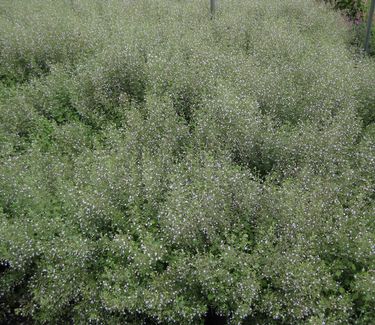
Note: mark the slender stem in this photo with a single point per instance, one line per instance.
(369, 23)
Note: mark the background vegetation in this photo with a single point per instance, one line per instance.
(157, 165)
(357, 11)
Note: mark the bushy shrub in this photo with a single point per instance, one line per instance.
(50, 32)
(158, 166)
(353, 8)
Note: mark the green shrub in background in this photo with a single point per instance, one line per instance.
(158, 165)
(353, 8)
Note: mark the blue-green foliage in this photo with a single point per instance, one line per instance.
(157, 165)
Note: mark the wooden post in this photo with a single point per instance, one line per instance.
(369, 23)
(213, 7)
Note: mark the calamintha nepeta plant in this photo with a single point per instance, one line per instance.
(158, 165)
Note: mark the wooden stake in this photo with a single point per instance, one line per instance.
(213, 7)
(369, 23)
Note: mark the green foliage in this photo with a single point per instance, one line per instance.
(157, 165)
(353, 8)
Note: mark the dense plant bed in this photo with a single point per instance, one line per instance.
(159, 166)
